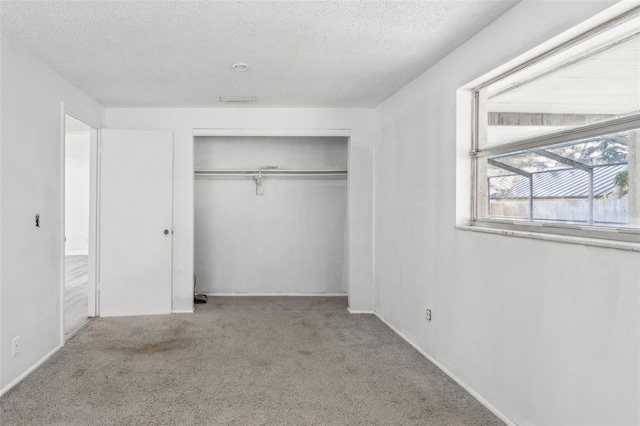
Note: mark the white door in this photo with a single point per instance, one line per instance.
(136, 191)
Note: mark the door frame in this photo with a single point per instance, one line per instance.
(94, 186)
(230, 132)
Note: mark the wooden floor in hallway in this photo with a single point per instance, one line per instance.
(75, 292)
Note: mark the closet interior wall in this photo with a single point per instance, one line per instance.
(290, 240)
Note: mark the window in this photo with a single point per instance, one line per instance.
(557, 141)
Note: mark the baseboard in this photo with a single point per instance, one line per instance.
(182, 311)
(76, 253)
(473, 393)
(357, 311)
(77, 330)
(29, 371)
(275, 294)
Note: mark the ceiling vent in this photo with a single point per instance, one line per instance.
(238, 99)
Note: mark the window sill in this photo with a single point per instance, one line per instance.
(597, 242)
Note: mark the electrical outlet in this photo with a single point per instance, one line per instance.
(428, 314)
(15, 346)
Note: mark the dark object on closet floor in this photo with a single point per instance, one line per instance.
(198, 298)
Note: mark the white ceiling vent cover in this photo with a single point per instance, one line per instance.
(238, 99)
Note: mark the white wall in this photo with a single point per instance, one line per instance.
(77, 184)
(2, 341)
(289, 240)
(546, 332)
(31, 177)
(182, 121)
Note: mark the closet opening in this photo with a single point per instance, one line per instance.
(271, 215)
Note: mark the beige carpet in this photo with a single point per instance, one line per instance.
(242, 361)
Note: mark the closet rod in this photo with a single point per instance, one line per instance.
(268, 172)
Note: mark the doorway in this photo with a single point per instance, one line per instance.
(78, 193)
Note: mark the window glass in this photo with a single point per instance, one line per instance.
(593, 87)
(591, 181)
(509, 197)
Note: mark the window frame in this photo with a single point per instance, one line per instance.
(621, 124)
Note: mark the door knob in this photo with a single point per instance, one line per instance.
(166, 232)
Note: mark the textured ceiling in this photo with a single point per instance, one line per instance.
(301, 53)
